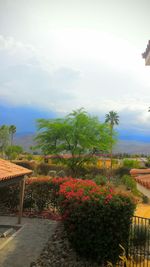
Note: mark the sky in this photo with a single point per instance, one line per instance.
(60, 55)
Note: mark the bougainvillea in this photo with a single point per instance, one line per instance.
(84, 190)
(96, 218)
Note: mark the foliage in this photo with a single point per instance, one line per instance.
(54, 188)
(130, 183)
(112, 119)
(12, 131)
(140, 235)
(38, 195)
(130, 163)
(100, 180)
(9, 197)
(12, 152)
(145, 199)
(78, 134)
(45, 168)
(97, 219)
(4, 138)
(122, 171)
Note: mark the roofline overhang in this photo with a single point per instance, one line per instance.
(12, 181)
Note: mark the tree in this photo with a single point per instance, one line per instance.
(12, 131)
(112, 118)
(4, 139)
(12, 152)
(78, 134)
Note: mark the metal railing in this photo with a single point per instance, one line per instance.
(139, 243)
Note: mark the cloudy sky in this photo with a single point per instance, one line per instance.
(60, 55)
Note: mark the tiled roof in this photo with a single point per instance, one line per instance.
(10, 170)
(136, 172)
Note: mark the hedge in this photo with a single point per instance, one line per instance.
(96, 219)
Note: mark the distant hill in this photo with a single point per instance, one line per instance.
(132, 147)
(26, 140)
(123, 146)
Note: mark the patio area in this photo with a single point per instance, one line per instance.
(27, 243)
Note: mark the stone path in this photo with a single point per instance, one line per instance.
(28, 243)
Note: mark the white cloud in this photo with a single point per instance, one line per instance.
(82, 68)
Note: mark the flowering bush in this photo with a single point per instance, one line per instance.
(54, 189)
(97, 219)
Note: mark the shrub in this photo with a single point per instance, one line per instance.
(130, 183)
(52, 173)
(45, 168)
(145, 199)
(61, 174)
(140, 235)
(37, 193)
(96, 219)
(54, 189)
(9, 197)
(122, 171)
(100, 180)
(40, 195)
(130, 163)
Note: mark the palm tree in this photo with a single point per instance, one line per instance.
(12, 131)
(113, 119)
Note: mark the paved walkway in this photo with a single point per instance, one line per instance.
(28, 243)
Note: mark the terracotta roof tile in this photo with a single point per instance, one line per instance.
(136, 172)
(143, 180)
(10, 170)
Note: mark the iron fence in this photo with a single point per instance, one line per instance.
(139, 243)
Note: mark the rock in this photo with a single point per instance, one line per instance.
(58, 252)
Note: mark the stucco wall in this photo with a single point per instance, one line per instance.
(143, 190)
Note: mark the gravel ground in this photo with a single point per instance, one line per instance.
(58, 253)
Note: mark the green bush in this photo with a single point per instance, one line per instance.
(122, 171)
(130, 163)
(145, 199)
(96, 219)
(37, 196)
(40, 195)
(100, 180)
(130, 183)
(9, 197)
(140, 235)
(45, 168)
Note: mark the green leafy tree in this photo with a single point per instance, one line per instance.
(12, 131)
(78, 134)
(12, 152)
(112, 118)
